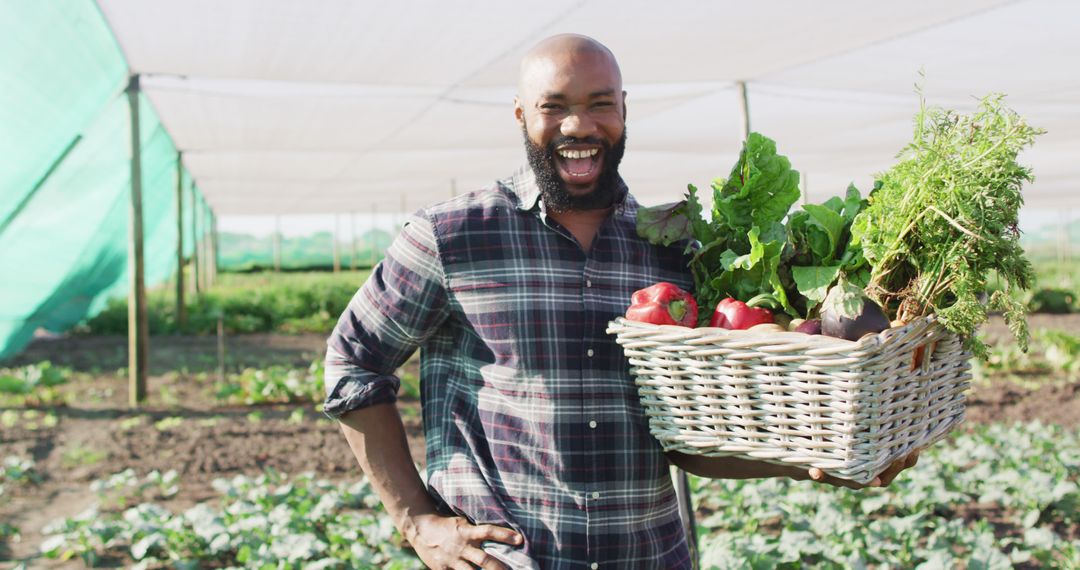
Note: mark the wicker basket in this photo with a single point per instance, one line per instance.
(849, 408)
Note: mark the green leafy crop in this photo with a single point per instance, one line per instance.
(737, 251)
(944, 219)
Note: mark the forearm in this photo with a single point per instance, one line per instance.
(733, 467)
(376, 436)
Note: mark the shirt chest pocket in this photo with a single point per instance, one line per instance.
(522, 305)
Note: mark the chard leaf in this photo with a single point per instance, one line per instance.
(853, 204)
(813, 282)
(835, 204)
(832, 223)
(760, 189)
(748, 275)
(702, 231)
(664, 224)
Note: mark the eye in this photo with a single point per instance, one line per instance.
(551, 107)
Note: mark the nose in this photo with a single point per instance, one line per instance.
(578, 125)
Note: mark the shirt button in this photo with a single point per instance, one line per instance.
(589, 352)
(588, 282)
(596, 494)
(594, 566)
(592, 424)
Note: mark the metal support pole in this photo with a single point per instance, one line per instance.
(215, 248)
(805, 190)
(337, 240)
(221, 346)
(196, 254)
(204, 246)
(138, 339)
(744, 104)
(371, 237)
(352, 227)
(181, 308)
(277, 244)
(453, 187)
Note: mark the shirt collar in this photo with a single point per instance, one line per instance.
(523, 185)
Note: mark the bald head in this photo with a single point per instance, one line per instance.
(543, 59)
(547, 57)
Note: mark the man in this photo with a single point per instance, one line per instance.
(538, 453)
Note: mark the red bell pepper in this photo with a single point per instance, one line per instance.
(663, 304)
(737, 315)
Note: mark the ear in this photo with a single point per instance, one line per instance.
(519, 111)
(624, 106)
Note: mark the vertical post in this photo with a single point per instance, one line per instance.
(337, 239)
(196, 254)
(215, 248)
(138, 339)
(744, 105)
(277, 243)
(453, 187)
(181, 308)
(221, 346)
(1062, 246)
(352, 227)
(805, 189)
(204, 246)
(371, 238)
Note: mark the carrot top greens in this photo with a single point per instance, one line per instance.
(944, 219)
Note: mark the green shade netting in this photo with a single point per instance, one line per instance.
(65, 181)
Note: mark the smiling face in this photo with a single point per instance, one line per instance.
(571, 107)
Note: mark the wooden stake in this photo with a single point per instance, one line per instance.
(181, 308)
(138, 339)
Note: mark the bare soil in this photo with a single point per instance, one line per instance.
(183, 426)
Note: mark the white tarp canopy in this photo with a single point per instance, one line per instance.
(285, 107)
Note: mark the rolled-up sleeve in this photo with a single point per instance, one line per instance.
(400, 305)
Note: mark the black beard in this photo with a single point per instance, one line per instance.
(552, 187)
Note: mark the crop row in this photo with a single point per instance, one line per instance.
(992, 497)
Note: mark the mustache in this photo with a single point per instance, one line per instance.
(565, 140)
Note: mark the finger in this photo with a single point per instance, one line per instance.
(494, 532)
(913, 458)
(461, 565)
(482, 559)
(817, 474)
(897, 466)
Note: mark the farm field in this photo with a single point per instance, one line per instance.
(248, 472)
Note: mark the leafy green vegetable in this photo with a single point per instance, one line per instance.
(666, 223)
(760, 189)
(814, 281)
(737, 252)
(820, 250)
(944, 218)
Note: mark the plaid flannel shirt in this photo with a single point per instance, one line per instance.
(531, 418)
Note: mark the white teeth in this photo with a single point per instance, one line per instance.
(578, 153)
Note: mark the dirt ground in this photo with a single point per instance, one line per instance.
(182, 426)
